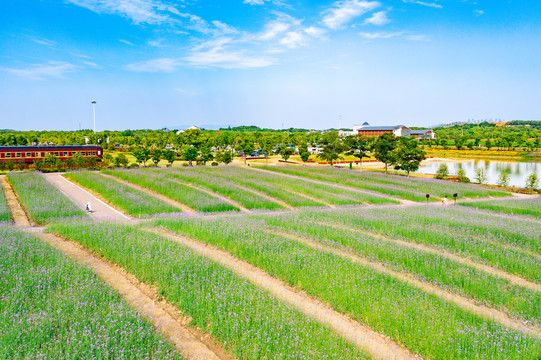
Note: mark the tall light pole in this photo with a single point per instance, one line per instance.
(94, 114)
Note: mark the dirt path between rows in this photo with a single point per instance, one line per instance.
(460, 301)
(265, 196)
(17, 212)
(335, 185)
(365, 338)
(181, 206)
(213, 194)
(189, 341)
(311, 198)
(514, 279)
(80, 196)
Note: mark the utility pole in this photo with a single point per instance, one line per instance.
(94, 114)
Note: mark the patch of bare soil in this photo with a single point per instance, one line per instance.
(375, 344)
(17, 212)
(460, 301)
(189, 341)
(164, 198)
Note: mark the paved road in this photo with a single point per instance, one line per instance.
(101, 211)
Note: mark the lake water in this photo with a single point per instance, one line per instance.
(518, 171)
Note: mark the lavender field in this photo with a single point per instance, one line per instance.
(5, 214)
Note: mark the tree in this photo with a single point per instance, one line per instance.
(442, 172)
(286, 152)
(107, 159)
(532, 182)
(408, 155)
(141, 155)
(304, 153)
(504, 178)
(267, 144)
(79, 159)
(227, 157)
(358, 147)
(383, 148)
(121, 160)
(459, 143)
(191, 155)
(461, 174)
(480, 176)
(170, 156)
(219, 156)
(156, 156)
(332, 151)
(206, 154)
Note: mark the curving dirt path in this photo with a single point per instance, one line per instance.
(189, 341)
(514, 279)
(212, 193)
(17, 212)
(80, 196)
(163, 198)
(339, 186)
(365, 338)
(460, 301)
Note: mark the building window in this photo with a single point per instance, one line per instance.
(28, 154)
(18, 155)
(99, 152)
(93, 153)
(65, 153)
(56, 153)
(8, 155)
(83, 153)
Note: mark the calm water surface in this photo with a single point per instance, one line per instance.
(518, 171)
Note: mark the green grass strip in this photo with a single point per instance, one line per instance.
(53, 308)
(424, 323)
(245, 319)
(132, 201)
(527, 207)
(43, 201)
(5, 213)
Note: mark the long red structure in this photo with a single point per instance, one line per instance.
(32, 153)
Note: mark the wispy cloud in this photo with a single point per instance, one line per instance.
(254, 2)
(431, 4)
(139, 11)
(44, 42)
(214, 54)
(126, 42)
(55, 69)
(187, 92)
(477, 12)
(155, 43)
(344, 11)
(392, 35)
(155, 65)
(378, 19)
(92, 64)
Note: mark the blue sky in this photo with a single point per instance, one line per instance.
(271, 63)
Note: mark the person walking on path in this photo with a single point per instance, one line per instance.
(444, 201)
(89, 207)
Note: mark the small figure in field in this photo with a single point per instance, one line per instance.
(444, 201)
(88, 207)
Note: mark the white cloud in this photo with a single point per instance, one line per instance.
(41, 71)
(347, 10)
(155, 43)
(254, 2)
(381, 35)
(273, 28)
(139, 11)
(434, 4)
(477, 12)
(293, 40)
(315, 31)
(155, 65)
(126, 42)
(214, 54)
(379, 18)
(92, 64)
(44, 42)
(187, 92)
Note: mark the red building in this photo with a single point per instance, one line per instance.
(30, 154)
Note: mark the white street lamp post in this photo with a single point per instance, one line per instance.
(94, 114)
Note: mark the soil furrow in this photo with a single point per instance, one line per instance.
(163, 198)
(514, 279)
(190, 342)
(460, 301)
(17, 211)
(365, 338)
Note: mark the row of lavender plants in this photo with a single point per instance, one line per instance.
(283, 186)
(158, 182)
(5, 213)
(424, 323)
(246, 320)
(43, 201)
(52, 308)
(506, 245)
(403, 187)
(447, 274)
(224, 187)
(528, 207)
(129, 200)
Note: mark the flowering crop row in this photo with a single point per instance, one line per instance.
(5, 213)
(52, 308)
(459, 230)
(423, 323)
(458, 278)
(407, 188)
(223, 187)
(530, 207)
(283, 186)
(132, 201)
(43, 201)
(245, 319)
(194, 198)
